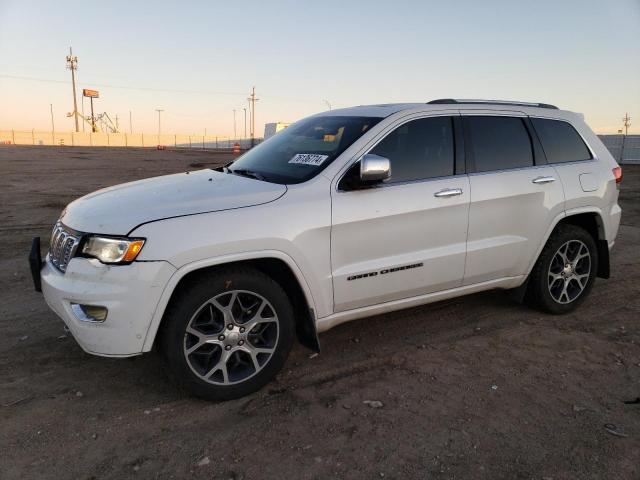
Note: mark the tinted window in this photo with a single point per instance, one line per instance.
(419, 149)
(304, 149)
(560, 141)
(499, 143)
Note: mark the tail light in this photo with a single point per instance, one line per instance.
(617, 172)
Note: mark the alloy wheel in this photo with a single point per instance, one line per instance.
(231, 337)
(569, 271)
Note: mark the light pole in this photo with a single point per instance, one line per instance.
(53, 126)
(245, 123)
(235, 135)
(159, 110)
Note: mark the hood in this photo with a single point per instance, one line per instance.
(118, 210)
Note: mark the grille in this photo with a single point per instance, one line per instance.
(63, 247)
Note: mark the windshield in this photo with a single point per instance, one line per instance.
(303, 150)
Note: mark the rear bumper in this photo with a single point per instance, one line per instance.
(129, 292)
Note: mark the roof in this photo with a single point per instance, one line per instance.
(384, 110)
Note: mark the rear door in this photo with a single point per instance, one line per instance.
(573, 161)
(407, 236)
(515, 196)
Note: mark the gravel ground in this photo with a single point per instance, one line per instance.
(477, 387)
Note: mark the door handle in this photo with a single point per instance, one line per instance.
(541, 180)
(448, 192)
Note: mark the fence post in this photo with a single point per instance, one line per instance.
(189, 141)
(13, 137)
(72, 144)
(33, 137)
(175, 140)
(216, 143)
(126, 140)
(142, 139)
(108, 139)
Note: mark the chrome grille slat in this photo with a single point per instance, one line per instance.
(63, 247)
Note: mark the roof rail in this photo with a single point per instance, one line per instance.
(449, 101)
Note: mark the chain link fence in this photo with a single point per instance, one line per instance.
(101, 139)
(624, 148)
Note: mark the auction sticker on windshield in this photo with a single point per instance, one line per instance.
(314, 159)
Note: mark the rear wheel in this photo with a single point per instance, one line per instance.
(565, 270)
(227, 333)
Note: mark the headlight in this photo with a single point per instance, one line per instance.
(113, 250)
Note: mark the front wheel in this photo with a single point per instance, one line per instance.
(227, 333)
(565, 270)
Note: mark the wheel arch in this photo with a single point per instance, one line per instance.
(590, 219)
(278, 265)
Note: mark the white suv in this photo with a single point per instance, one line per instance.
(344, 215)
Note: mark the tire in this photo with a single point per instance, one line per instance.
(565, 271)
(227, 333)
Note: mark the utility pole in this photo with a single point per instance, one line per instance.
(72, 64)
(235, 135)
(130, 123)
(245, 122)
(159, 110)
(627, 123)
(328, 104)
(252, 102)
(53, 126)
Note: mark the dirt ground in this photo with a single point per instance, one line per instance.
(478, 387)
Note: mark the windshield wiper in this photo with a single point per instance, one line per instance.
(247, 173)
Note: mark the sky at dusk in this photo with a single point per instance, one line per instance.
(199, 60)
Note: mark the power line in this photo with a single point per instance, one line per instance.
(123, 87)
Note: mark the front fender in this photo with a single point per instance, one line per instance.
(216, 261)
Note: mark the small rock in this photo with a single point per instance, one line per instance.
(356, 340)
(477, 329)
(494, 387)
(313, 355)
(578, 408)
(136, 468)
(147, 412)
(374, 403)
(79, 394)
(318, 459)
(94, 436)
(22, 339)
(62, 337)
(204, 462)
(346, 407)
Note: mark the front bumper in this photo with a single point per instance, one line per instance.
(129, 292)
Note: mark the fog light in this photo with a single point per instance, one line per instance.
(89, 313)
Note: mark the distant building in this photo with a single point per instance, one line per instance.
(270, 129)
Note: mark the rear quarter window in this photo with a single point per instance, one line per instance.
(560, 141)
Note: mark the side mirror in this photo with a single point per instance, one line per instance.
(374, 168)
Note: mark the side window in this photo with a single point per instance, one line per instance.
(560, 141)
(419, 149)
(499, 143)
